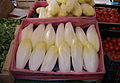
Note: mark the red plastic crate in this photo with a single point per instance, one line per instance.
(41, 75)
(44, 4)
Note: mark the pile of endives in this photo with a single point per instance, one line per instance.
(42, 48)
(67, 8)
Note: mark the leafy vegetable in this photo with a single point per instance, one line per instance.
(7, 29)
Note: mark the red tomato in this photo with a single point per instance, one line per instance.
(118, 40)
(107, 46)
(111, 48)
(114, 41)
(108, 39)
(117, 48)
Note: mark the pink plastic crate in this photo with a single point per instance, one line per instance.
(40, 75)
(44, 4)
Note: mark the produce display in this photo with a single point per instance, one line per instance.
(67, 8)
(44, 47)
(110, 28)
(107, 15)
(112, 47)
(7, 29)
(114, 28)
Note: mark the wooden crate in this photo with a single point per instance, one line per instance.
(5, 75)
(26, 3)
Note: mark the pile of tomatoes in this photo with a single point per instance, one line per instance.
(114, 28)
(111, 46)
(107, 15)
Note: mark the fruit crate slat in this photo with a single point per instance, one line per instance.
(5, 75)
(106, 26)
(25, 3)
(108, 23)
(105, 5)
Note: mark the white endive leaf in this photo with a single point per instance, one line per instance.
(27, 32)
(53, 7)
(49, 35)
(50, 59)
(42, 13)
(60, 34)
(77, 55)
(37, 56)
(91, 59)
(38, 34)
(64, 57)
(92, 37)
(81, 35)
(23, 53)
(69, 33)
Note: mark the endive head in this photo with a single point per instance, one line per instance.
(40, 44)
(49, 36)
(81, 35)
(53, 49)
(88, 46)
(64, 47)
(25, 42)
(27, 32)
(92, 37)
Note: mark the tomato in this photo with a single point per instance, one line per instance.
(114, 40)
(117, 48)
(107, 46)
(114, 10)
(111, 48)
(108, 39)
(118, 40)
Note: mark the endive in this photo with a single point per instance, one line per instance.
(63, 11)
(70, 5)
(27, 32)
(92, 37)
(53, 7)
(77, 55)
(69, 33)
(23, 53)
(91, 59)
(64, 57)
(61, 1)
(37, 56)
(38, 34)
(49, 35)
(60, 34)
(77, 11)
(42, 13)
(50, 59)
(81, 35)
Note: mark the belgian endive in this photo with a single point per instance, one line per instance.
(37, 56)
(27, 32)
(92, 37)
(23, 53)
(38, 34)
(60, 34)
(81, 35)
(91, 59)
(50, 59)
(77, 55)
(69, 33)
(64, 57)
(42, 13)
(49, 35)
